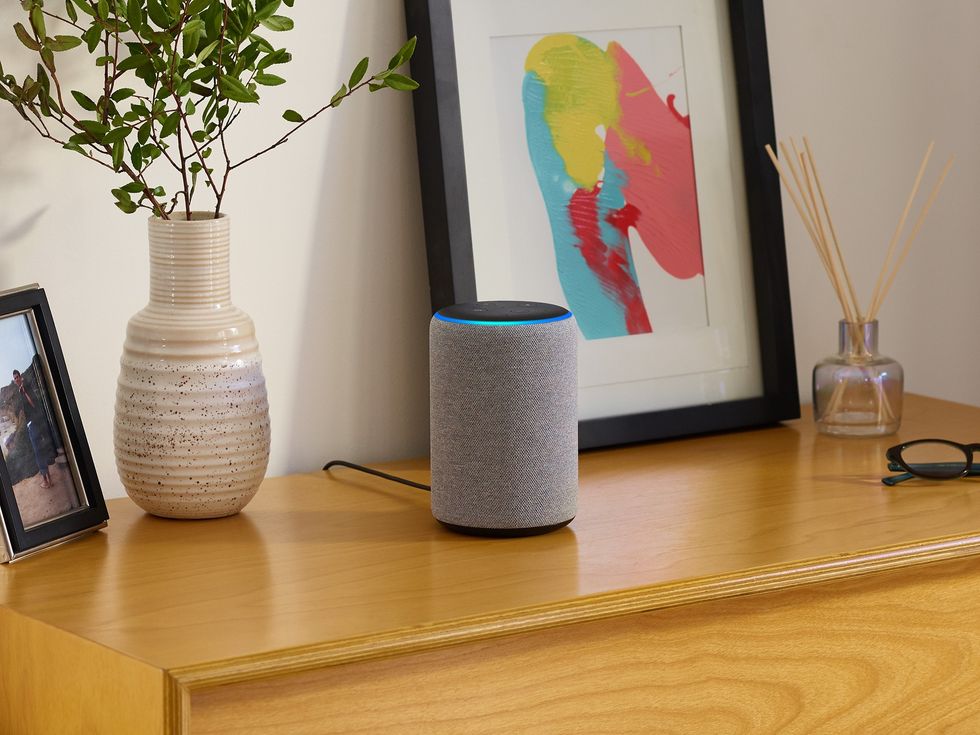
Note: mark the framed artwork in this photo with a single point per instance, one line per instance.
(610, 158)
(49, 492)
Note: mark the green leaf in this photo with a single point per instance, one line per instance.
(92, 37)
(292, 116)
(170, 124)
(196, 7)
(234, 90)
(117, 134)
(404, 53)
(94, 128)
(70, 11)
(63, 43)
(118, 151)
(25, 37)
(84, 101)
(134, 14)
(403, 83)
(280, 56)
(262, 43)
(133, 187)
(190, 108)
(375, 87)
(83, 6)
(127, 207)
(37, 21)
(265, 8)
(74, 147)
(47, 56)
(205, 52)
(338, 96)
(158, 14)
(359, 71)
(122, 194)
(103, 9)
(136, 156)
(269, 80)
(143, 134)
(278, 23)
(133, 62)
(122, 94)
(194, 26)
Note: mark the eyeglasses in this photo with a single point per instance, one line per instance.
(932, 459)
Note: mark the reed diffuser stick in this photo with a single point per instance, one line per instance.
(833, 230)
(806, 221)
(915, 231)
(898, 229)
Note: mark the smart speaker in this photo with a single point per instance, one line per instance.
(504, 427)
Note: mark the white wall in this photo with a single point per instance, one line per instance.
(871, 83)
(327, 231)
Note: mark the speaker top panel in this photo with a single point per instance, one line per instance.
(503, 312)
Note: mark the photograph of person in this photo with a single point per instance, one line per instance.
(30, 438)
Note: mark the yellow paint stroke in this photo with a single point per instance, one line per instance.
(582, 83)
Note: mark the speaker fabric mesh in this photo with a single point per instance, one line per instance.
(503, 417)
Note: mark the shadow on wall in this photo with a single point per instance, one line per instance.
(362, 382)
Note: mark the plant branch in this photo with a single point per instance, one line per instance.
(63, 20)
(285, 138)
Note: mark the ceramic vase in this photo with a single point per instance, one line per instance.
(191, 428)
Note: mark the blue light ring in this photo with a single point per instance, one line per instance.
(453, 320)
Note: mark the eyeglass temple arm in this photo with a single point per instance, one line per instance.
(895, 479)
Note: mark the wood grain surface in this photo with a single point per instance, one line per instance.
(321, 563)
(55, 682)
(326, 569)
(890, 653)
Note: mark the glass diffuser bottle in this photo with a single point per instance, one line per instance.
(858, 391)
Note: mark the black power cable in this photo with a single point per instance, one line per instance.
(376, 473)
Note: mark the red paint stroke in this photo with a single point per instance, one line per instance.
(610, 264)
(663, 187)
(685, 119)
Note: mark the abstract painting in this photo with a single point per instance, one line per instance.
(611, 149)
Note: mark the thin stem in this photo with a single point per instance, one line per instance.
(183, 175)
(286, 137)
(220, 195)
(69, 21)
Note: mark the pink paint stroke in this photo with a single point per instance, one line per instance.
(663, 189)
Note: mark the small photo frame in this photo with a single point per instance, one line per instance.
(49, 491)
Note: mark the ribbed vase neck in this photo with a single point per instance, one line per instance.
(189, 261)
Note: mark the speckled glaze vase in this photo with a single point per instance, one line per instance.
(192, 417)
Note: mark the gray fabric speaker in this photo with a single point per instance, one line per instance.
(503, 420)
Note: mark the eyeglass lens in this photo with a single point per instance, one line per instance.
(935, 459)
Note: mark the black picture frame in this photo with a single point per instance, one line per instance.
(52, 378)
(452, 278)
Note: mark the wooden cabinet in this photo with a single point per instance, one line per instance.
(756, 582)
